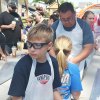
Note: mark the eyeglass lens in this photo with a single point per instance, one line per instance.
(68, 19)
(35, 45)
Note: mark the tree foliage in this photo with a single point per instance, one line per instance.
(46, 1)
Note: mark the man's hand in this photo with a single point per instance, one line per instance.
(87, 49)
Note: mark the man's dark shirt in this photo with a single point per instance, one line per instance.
(12, 36)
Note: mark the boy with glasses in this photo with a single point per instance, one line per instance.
(36, 75)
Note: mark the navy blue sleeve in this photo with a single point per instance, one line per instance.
(20, 78)
(87, 34)
(57, 80)
(54, 27)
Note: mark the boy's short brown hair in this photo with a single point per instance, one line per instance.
(41, 31)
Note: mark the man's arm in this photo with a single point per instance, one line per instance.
(87, 49)
(88, 42)
(3, 26)
(10, 26)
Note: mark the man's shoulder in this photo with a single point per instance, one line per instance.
(4, 13)
(16, 14)
(82, 23)
(55, 24)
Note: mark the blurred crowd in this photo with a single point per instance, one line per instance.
(81, 38)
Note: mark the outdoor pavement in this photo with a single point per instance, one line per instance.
(90, 81)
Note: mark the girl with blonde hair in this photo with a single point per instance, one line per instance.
(69, 72)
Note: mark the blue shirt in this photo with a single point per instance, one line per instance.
(70, 81)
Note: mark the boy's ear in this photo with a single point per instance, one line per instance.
(50, 44)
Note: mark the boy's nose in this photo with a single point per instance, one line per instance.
(32, 48)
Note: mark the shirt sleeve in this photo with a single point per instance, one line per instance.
(54, 27)
(87, 34)
(75, 79)
(20, 78)
(57, 80)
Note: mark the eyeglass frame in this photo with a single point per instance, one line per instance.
(68, 19)
(34, 45)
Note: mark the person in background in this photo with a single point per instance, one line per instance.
(11, 25)
(3, 55)
(97, 25)
(97, 31)
(39, 17)
(36, 75)
(89, 18)
(29, 24)
(69, 72)
(52, 19)
(78, 31)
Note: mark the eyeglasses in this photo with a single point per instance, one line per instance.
(91, 18)
(68, 19)
(66, 52)
(35, 45)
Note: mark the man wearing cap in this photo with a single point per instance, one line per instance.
(11, 25)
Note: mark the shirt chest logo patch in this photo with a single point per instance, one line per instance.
(65, 80)
(44, 78)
